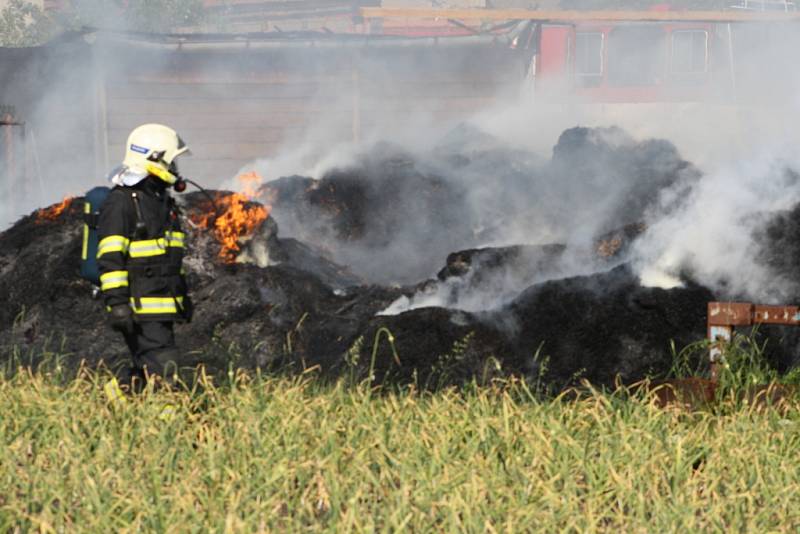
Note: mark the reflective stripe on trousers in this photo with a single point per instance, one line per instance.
(113, 280)
(156, 305)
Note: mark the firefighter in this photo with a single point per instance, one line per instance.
(141, 248)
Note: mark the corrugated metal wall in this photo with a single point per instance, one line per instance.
(234, 105)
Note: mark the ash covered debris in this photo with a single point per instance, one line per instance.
(240, 305)
(283, 316)
(592, 327)
(267, 301)
(779, 236)
(392, 216)
(623, 178)
(371, 216)
(490, 277)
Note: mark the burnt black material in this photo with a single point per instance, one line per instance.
(294, 305)
(305, 311)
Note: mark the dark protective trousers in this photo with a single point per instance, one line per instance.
(152, 347)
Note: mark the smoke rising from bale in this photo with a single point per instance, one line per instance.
(547, 216)
(701, 223)
(489, 166)
(393, 215)
(714, 238)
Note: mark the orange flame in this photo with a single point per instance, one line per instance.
(250, 182)
(54, 212)
(238, 218)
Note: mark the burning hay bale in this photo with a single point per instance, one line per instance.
(393, 216)
(617, 243)
(370, 216)
(327, 298)
(592, 327)
(240, 303)
(285, 316)
(55, 211)
(231, 218)
(282, 316)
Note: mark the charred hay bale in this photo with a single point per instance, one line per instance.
(317, 262)
(366, 201)
(779, 237)
(243, 315)
(48, 308)
(621, 178)
(281, 318)
(532, 261)
(483, 263)
(379, 215)
(432, 347)
(243, 312)
(596, 327)
(606, 325)
(779, 249)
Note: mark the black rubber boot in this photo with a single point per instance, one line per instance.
(132, 380)
(162, 362)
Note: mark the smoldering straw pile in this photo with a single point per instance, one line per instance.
(368, 240)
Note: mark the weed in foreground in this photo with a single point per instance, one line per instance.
(281, 454)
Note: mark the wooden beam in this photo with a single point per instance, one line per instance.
(581, 16)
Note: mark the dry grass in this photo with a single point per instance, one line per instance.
(293, 455)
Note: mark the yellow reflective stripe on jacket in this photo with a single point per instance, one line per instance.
(148, 247)
(155, 305)
(113, 280)
(113, 243)
(157, 247)
(87, 208)
(175, 239)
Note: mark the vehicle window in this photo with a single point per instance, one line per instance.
(689, 52)
(589, 58)
(636, 56)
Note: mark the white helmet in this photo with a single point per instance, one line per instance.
(151, 149)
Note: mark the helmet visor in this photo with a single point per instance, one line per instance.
(183, 148)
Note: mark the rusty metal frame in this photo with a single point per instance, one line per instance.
(723, 317)
(578, 16)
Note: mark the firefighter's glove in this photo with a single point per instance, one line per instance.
(121, 318)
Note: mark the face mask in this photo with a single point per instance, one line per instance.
(178, 183)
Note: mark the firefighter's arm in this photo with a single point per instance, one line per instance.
(113, 229)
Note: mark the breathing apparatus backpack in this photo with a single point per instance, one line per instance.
(91, 215)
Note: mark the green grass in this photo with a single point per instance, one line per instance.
(281, 454)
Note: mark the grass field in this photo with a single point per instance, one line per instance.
(279, 454)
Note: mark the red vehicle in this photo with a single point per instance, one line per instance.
(629, 57)
(631, 62)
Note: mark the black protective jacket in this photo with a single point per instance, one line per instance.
(140, 252)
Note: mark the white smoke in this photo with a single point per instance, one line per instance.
(712, 237)
(701, 230)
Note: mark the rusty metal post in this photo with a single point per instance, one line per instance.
(719, 337)
(723, 317)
